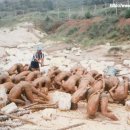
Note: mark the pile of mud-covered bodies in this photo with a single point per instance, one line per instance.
(23, 91)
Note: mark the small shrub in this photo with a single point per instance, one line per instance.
(115, 50)
(62, 15)
(19, 12)
(71, 31)
(48, 19)
(74, 16)
(126, 30)
(127, 13)
(88, 15)
(112, 20)
(103, 28)
(109, 11)
(93, 31)
(113, 34)
(55, 26)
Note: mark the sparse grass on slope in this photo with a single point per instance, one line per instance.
(94, 31)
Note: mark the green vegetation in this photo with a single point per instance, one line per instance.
(52, 16)
(103, 28)
(126, 30)
(106, 30)
(88, 15)
(72, 31)
(127, 13)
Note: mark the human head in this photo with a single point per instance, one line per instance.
(39, 49)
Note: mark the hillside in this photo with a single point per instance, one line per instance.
(71, 20)
(94, 31)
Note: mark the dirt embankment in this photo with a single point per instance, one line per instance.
(97, 29)
(84, 24)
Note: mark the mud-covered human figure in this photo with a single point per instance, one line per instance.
(94, 74)
(26, 67)
(96, 85)
(98, 101)
(53, 71)
(71, 85)
(16, 69)
(16, 79)
(4, 78)
(19, 77)
(39, 93)
(80, 93)
(33, 75)
(93, 104)
(15, 94)
(80, 70)
(27, 89)
(111, 82)
(8, 86)
(120, 92)
(86, 82)
(99, 84)
(103, 107)
(43, 83)
(64, 75)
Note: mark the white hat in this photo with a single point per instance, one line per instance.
(39, 48)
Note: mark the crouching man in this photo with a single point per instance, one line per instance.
(38, 58)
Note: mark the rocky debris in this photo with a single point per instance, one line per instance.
(126, 62)
(21, 112)
(99, 66)
(62, 62)
(12, 120)
(3, 96)
(127, 105)
(11, 124)
(111, 71)
(2, 52)
(27, 46)
(65, 59)
(62, 99)
(124, 71)
(18, 112)
(76, 51)
(115, 50)
(119, 67)
(10, 108)
(17, 56)
(5, 128)
(49, 114)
